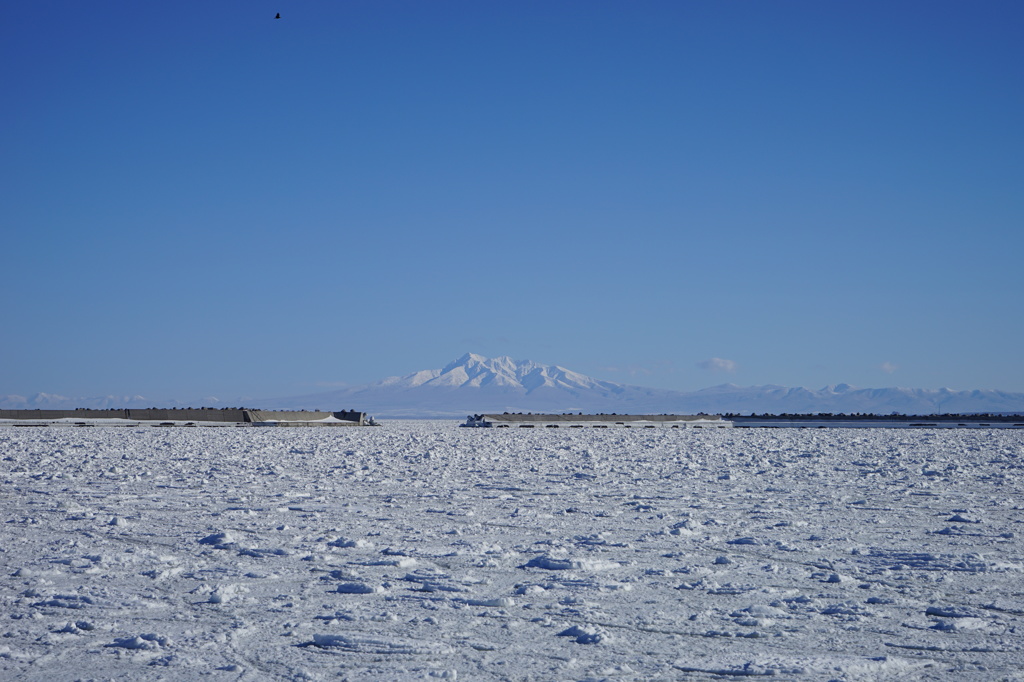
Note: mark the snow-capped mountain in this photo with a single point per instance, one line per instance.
(476, 384)
(476, 371)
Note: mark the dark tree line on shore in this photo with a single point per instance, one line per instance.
(867, 416)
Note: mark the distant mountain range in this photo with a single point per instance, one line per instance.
(52, 401)
(476, 384)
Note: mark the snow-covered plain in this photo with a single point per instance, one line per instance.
(419, 550)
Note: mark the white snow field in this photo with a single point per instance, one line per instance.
(419, 550)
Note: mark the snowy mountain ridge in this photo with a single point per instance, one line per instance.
(473, 383)
(477, 371)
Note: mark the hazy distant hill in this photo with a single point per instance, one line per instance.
(475, 384)
(50, 401)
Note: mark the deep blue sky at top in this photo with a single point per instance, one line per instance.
(197, 199)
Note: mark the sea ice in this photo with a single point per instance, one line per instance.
(419, 550)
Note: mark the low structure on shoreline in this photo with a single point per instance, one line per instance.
(203, 416)
(597, 421)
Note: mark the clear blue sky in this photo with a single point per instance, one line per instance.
(200, 200)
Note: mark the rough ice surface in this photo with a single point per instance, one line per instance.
(419, 550)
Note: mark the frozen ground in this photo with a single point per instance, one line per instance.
(420, 550)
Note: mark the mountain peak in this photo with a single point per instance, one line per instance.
(508, 376)
(464, 360)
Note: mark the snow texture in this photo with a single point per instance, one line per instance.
(419, 550)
